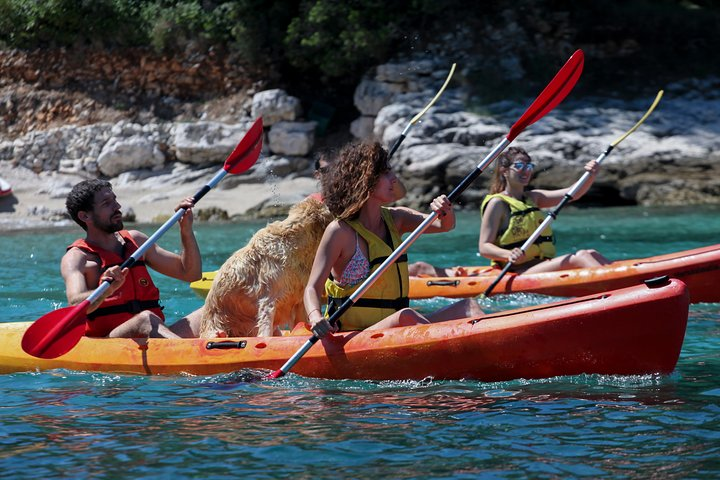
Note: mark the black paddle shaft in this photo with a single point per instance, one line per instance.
(550, 215)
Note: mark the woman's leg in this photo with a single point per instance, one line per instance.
(423, 268)
(579, 259)
(401, 318)
(467, 307)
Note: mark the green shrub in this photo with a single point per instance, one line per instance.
(57, 23)
(337, 40)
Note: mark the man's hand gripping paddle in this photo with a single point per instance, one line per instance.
(569, 196)
(558, 88)
(57, 332)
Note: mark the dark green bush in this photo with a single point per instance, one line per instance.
(339, 39)
(58, 23)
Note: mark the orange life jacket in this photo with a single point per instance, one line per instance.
(137, 294)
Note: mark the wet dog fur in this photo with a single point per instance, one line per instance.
(259, 289)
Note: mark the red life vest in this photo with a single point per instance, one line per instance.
(137, 294)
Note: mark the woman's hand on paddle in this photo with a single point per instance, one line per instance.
(442, 206)
(322, 327)
(592, 167)
(516, 254)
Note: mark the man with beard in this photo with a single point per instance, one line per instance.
(130, 307)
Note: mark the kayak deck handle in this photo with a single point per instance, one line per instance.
(443, 283)
(657, 281)
(226, 344)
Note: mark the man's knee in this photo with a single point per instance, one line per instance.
(420, 268)
(146, 322)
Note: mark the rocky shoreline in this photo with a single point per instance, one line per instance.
(672, 159)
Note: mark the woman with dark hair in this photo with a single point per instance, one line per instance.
(364, 233)
(511, 213)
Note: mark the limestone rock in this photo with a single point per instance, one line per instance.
(275, 106)
(203, 143)
(122, 154)
(292, 138)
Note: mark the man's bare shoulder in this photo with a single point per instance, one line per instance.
(138, 236)
(75, 260)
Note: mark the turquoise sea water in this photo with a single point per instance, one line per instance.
(65, 424)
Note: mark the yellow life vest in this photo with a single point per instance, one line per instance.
(387, 295)
(525, 217)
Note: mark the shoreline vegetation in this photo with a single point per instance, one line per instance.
(203, 61)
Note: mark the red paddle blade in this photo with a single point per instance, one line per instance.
(247, 151)
(555, 92)
(55, 333)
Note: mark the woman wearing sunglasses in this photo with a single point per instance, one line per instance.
(510, 215)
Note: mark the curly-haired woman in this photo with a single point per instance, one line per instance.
(364, 233)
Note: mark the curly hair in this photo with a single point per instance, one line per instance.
(350, 179)
(504, 160)
(82, 198)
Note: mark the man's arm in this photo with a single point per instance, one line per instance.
(81, 279)
(187, 266)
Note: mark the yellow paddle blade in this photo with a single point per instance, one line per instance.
(437, 95)
(647, 114)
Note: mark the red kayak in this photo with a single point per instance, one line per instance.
(633, 331)
(5, 188)
(698, 268)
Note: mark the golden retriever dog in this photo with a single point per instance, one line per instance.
(260, 287)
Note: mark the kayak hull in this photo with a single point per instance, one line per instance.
(638, 330)
(698, 268)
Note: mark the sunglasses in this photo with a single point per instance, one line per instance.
(319, 169)
(520, 166)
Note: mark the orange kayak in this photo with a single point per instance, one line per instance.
(632, 331)
(698, 268)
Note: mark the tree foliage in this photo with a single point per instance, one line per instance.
(338, 39)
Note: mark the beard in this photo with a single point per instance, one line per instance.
(108, 226)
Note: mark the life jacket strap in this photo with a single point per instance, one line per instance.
(377, 261)
(334, 303)
(139, 263)
(134, 306)
(539, 240)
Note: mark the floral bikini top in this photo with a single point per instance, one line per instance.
(357, 269)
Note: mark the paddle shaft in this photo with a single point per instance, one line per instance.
(549, 98)
(551, 216)
(129, 262)
(54, 334)
(417, 117)
(399, 140)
